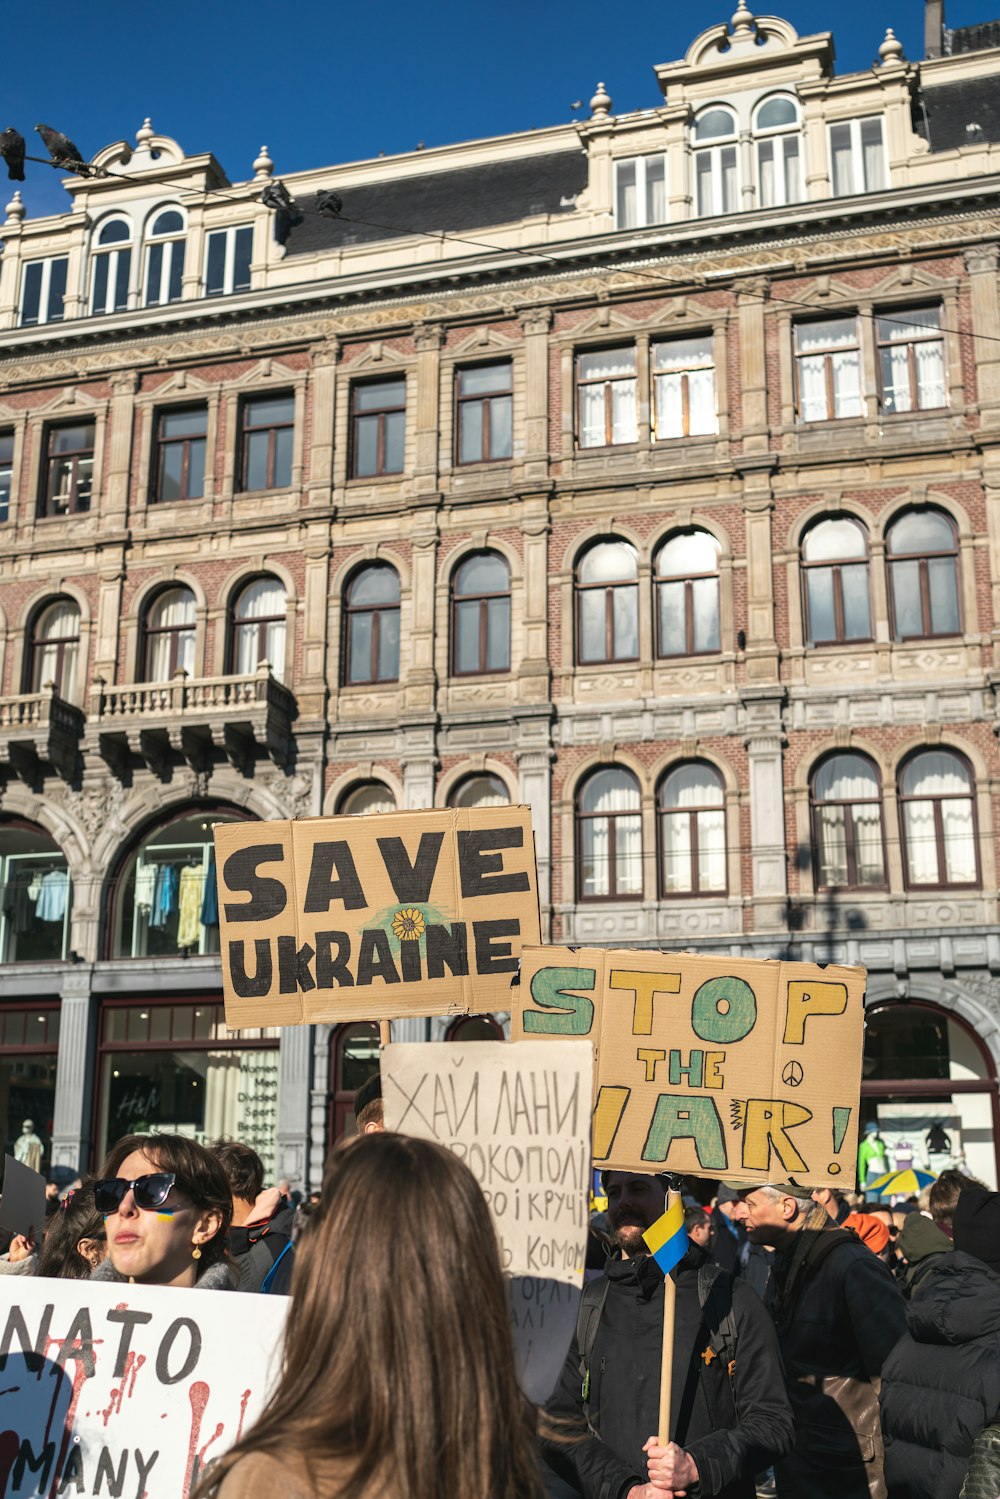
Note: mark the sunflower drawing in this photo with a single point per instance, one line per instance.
(408, 924)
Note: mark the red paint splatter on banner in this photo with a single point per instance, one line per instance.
(243, 1410)
(133, 1363)
(198, 1394)
(202, 1450)
(9, 1447)
(68, 1423)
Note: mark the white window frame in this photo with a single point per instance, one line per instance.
(642, 219)
(682, 377)
(169, 243)
(858, 157)
(230, 231)
(111, 253)
(777, 135)
(46, 263)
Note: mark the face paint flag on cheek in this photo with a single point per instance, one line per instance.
(667, 1239)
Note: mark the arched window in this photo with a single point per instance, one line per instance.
(607, 603)
(922, 549)
(34, 899)
(716, 179)
(779, 151)
(366, 797)
(169, 635)
(687, 595)
(165, 900)
(165, 258)
(609, 836)
(938, 815)
(353, 1060)
(259, 627)
(371, 625)
(55, 649)
(480, 615)
(111, 267)
(479, 791)
(835, 572)
(846, 798)
(475, 1028)
(692, 808)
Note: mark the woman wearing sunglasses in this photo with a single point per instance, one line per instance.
(166, 1207)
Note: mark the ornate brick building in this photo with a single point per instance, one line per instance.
(645, 469)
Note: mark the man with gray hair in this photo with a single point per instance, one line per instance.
(838, 1313)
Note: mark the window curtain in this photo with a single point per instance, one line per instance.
(174, 614)
(621, 799)
(261, 600)
(930, 373)
(61, 623)
(624, 425)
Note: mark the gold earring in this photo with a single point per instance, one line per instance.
(196, 1252)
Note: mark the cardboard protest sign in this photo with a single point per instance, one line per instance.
(367, 918)
(520, 1119)
(22, 1201)
(708, 1066)
(126, 1389)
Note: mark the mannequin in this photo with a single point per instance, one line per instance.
(872, 1156)
(28, 1147)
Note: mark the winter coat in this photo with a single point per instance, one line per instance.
(733, 1426)
(941, 1383)
(838, 1313)
(217, 1277)
(725, 1248)
(27, 1266)
(983, 1478)
(258, 1475)
(260, 1250)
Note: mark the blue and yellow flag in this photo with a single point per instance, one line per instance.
(667, 1239)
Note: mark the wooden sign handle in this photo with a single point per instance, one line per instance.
(667, 1351)
(384, 1032)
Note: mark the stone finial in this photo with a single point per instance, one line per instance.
(891, 50)
(263, 166)
(600, 104)
(742, 19)
(15, 210)
(145, 134)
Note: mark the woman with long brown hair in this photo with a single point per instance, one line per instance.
(398, 1378)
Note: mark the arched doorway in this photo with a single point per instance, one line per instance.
(353, 1060)
(930, 1083)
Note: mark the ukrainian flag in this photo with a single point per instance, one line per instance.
(667, 1239)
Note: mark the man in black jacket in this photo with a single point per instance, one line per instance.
(729, 1414)
(838, 1314)
(941, 1383)
(260, 1242)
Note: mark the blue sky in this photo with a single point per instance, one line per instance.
(326, 83)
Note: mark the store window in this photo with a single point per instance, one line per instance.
(29, 1041)
(353, 1060)
(846, 797)
(609, 836)
(607, 604)
(165, 899)
(479, 791)
(363, 799)
(835, 573)
(178, 1069)
(258, 627)
(929, 1083)
(36, 895)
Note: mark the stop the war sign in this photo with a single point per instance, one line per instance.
(127, 1390)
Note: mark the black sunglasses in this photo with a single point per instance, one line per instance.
(150, 1192)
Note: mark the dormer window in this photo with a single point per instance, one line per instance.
(857, 156)
(164, 258)
(112, 266)
(640, 191)
(778, 140)
(716, 179)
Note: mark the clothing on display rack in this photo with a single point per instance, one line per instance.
(53, 896)
(166, 888)
(145, 876)
(189, 906)
(18, 906)
(210, 900)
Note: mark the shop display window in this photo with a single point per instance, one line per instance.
(35, 895)
(167, 901)
(29, 1039)
(176, 1068)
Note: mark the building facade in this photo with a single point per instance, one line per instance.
(644, 469)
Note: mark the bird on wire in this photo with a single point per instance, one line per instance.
(60, 147)
(12, 151)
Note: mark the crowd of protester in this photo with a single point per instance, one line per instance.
(824, 1347)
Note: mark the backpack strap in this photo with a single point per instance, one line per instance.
(807, 1265)
(715, 1297)
(269, 1277)
(588, 1320)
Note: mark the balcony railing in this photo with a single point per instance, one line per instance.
(193, 715)
(40, 727)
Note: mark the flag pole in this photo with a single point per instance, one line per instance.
(667, 1350)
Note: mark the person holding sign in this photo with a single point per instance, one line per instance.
(398, 1378)
(167, 1208)
(729, 1414)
